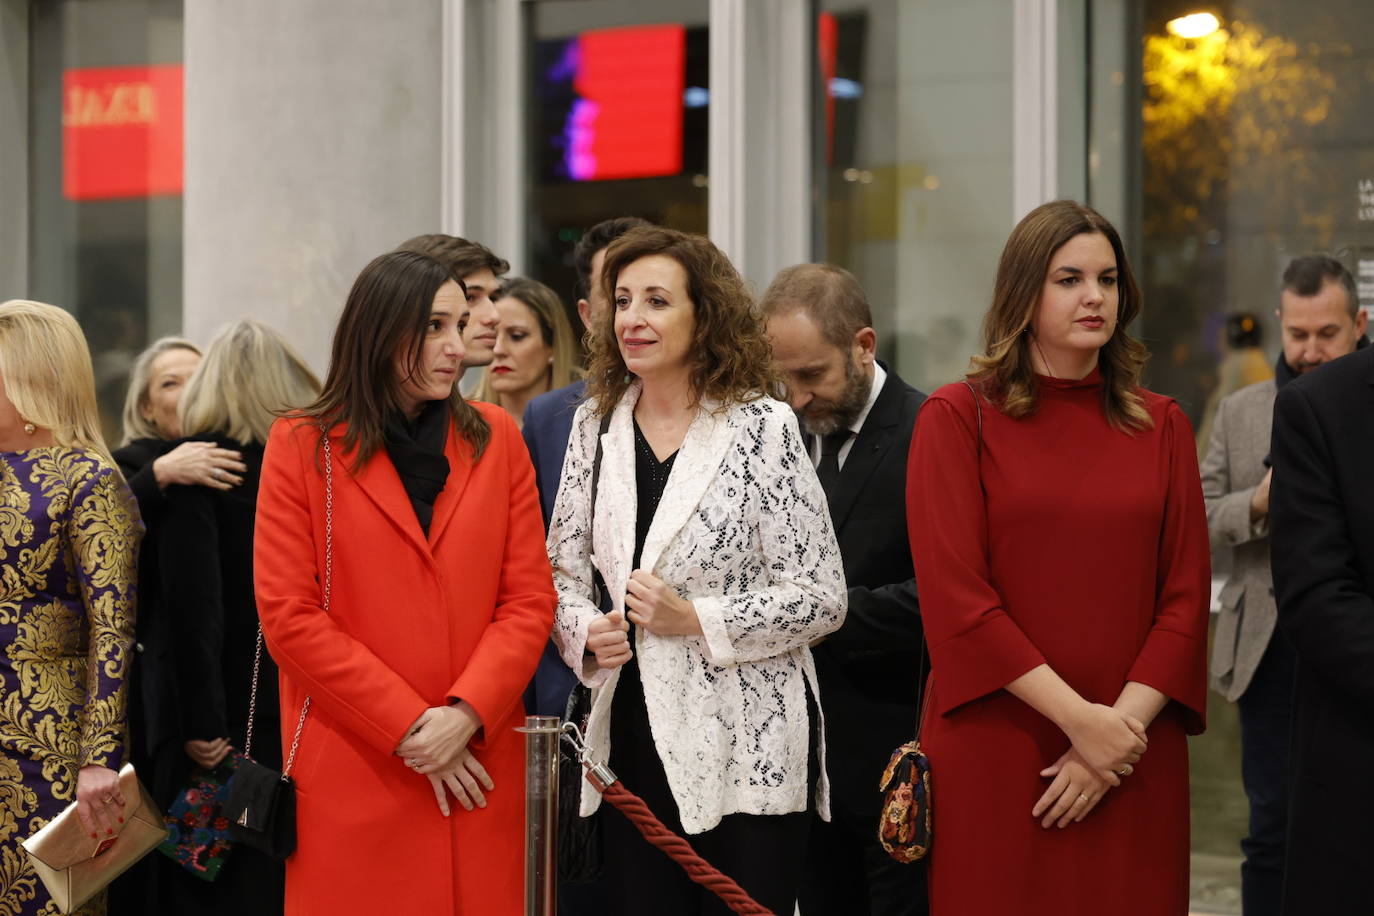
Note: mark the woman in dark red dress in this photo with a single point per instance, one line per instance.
(1062, 561)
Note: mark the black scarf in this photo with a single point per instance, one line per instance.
(416, 448)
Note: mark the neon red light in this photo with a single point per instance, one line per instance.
(827, 49)
(627, 122)
(122, 132)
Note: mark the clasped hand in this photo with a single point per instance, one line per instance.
(437, 740)
(1105, 744)
(436, 747)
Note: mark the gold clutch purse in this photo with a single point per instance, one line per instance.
(74, 867)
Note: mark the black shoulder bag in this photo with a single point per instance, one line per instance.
(905, 828)
(261, 808)
(579, 838)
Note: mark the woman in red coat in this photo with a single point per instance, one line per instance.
(439, 603)
(1062, 562)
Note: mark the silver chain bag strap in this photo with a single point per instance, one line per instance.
(262, 802)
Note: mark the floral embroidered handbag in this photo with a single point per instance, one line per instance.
(198, 832)
(905, 829)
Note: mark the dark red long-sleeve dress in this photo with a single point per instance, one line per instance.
(1085, 548)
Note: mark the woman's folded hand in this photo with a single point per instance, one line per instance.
(1107, 739)
(465, 781)
(1076, 789)
(439, 737)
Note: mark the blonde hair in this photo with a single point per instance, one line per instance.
(250, 376)
(1005, 371)
(554, 328)
(137, 426)
(46, 366)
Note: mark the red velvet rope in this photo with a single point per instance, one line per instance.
(677, 849)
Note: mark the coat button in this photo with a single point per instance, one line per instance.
(1271, 591)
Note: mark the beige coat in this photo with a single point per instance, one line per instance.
(1233, 468)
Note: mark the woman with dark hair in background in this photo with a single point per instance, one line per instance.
(711, 533)
(535, 349)
(69, 534)
(152, 459)
(1060, 546)
(250, 374)
(404, 590)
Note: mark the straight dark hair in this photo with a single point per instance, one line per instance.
(383, 324)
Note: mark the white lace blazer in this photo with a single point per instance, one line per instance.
(743, 532)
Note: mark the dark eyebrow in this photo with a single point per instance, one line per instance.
(647, 289)
(1079, 271)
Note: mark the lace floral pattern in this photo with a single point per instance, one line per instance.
(744, 533)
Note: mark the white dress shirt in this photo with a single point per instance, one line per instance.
(879, 378)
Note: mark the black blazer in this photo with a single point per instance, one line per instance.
(868, 668)
(152, 709)
(1322, 545)
(206, 555)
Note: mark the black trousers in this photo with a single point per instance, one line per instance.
(1266, 715)
(849, 874)
(765, 855)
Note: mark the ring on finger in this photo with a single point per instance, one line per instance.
(107, 800)
(1083, 798)
(1126, 770)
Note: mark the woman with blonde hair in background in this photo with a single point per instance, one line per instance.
(535, 350)
(1060, 546)
(69, 535)
(249, 376)
(152, 459)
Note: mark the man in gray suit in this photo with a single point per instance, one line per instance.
(1251, 664)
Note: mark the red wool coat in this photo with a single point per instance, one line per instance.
(413, 622)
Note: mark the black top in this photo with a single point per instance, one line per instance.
(207, 590)
(416, 448)
(152, 710)
(651, 475)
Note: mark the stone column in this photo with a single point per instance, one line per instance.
(313, 144)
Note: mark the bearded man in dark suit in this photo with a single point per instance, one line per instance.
(858, 416)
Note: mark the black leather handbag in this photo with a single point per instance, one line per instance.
(580, 856)
(261, 807)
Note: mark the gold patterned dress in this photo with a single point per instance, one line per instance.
(69, 534)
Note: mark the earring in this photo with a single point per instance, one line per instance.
(30, 429)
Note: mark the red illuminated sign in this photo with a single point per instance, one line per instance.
(627, 121)
(827, 49)
(122, 132)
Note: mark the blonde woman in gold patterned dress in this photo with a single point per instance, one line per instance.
(69, 536)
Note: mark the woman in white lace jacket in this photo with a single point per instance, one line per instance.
(720, 567)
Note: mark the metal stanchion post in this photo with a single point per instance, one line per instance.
(541, 814)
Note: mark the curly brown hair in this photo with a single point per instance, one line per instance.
(1005, 370)
(731, 359)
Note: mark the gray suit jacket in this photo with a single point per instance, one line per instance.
(1233, 468)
